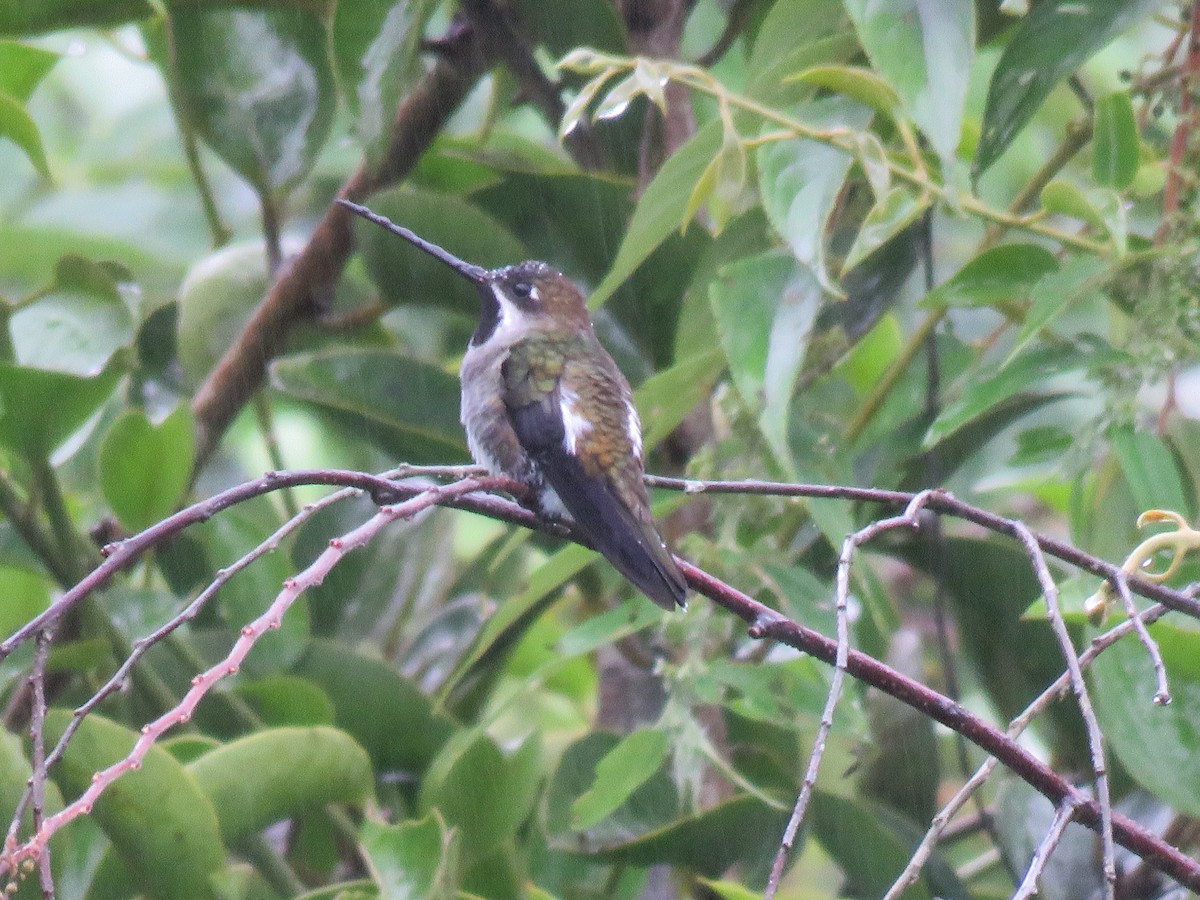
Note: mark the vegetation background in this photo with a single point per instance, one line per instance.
(896, 245)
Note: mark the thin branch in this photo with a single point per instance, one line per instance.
(1082, 698)
(767, 624)
(1162, 696)
(1062, 818)
(909, 519)
(250, 634)
(37, 781)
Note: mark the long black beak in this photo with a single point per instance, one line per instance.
(477, 274)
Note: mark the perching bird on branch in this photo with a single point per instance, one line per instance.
(545, 404)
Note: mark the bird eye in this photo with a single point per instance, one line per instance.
(522, 289)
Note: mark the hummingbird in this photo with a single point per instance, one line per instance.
(545, 404)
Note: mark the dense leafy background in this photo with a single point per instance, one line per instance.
(820, 281)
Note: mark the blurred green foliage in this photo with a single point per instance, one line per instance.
(860, 186)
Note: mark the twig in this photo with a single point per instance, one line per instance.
(1082, 698)
(123, 554)
(1062, 818)
(939, 826)
(909, 519)
(946, 504)
(201, 684)
(1162, 696)
(37, 780)
(187, 614)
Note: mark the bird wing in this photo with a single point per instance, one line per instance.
(590, 458)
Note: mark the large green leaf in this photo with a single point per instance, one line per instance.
(18, 126)
(1054, 39)
(662, 209)
(258, 85)
(41, 409)
(1152, 472)
(1115, 142)
(78, 325)
(295, 770)
(414, 860)
(800, 179)
(377, 52)
(625, 768)
(925, 50)
(21, 18)
(409, 408)
(997, 276)
(872, 845)
(1158, 745)
(22, 67)
(145, 468)
(385, 712)
(765, 308)
(480, 792)
(162, 826)
(665, 399)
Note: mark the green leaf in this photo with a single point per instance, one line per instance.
(404, 274)
(54, 15)
(1052, 41)
(414, 860)
(624, 769)
(481, 793)
(925, 49)
(40, 409)
(18, 126)
(25, 595)
(145, 468)
(1152, 471)
(1115, 144)
(409, 408)
(377, 53)
(995, 277)
(71, 330)
(651, 806)
(162, 826)
(564, 26)
(22, 67)
(216, 300)
(890, 215)
(800, 180)
(662, 208)
(1063, 198)
(992, 385)
(708, 842)
(665, 398)
(764, 308)
(1079, 279)
(258, 86)
(860, 85)
(1158, 745)
(279, 773)
(374, 703)
(281, 700)
(872, 845)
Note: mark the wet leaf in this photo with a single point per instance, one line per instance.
(1115, 145)
(409, 408)
(258, 86)
(925, 49)
(145, 468)
(1052, 41)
